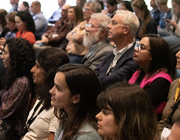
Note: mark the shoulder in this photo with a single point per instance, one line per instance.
(87, 132)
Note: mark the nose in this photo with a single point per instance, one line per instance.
(32, 70)
(51, 90)
(98, 116)
(109, 26)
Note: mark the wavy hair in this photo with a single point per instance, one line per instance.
(22, 59)
(132, 110)
(80, 80)
(49, 60)
(26, 17)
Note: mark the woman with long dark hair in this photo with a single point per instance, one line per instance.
(74, 94)
(18, 58)
(41, 123)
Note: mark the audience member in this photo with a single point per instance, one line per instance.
(172, 109)
(39, 19)
(18, 58)
(25, 25)
(74, 95)
(75, 15)
(3, 23)
(165, 13)
(75, 48)
(126, 114)
(155, 13)
(41, 122)
(95, 39)
(24, 6)
(55, 36)
(147, 24)
(14, 4)
(124, 5)
(119, 64)
(80, 3)
(155, 73)
(111, 7)
(11, 24)
(172, 34)
(57, 14)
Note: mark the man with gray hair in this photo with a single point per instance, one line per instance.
(119, 64)
(95, 39)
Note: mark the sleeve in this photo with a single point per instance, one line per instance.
(40, 23)
(12, 99)
(123, 73)
(158, 90)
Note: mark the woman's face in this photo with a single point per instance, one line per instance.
(106, 123)
(138, 12)
(38, 74)
(6, 57)
(11, 25)
(21, 26)
(176, 8)
(143, 56)
(71, 14)
(61, 95)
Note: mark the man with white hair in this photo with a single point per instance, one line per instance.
(95, 39)
(119, 64)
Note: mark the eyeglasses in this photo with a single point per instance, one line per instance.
(90, 26)
(141, 47)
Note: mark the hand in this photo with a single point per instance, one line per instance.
(178, 60)
(1, 47)
(171, 23)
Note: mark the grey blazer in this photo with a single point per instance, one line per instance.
(96, 58)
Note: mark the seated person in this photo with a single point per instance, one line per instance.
(25, 25)
(45, 123)
(126, 114)
(3, 23)
(11, 24)
(111, 8)
(95, 39)
(119, 64)
(147, 24)
(57, 14)
(124, 5)
(24, 6)
(39, 19)
(171, 111)
(155, 13)
(56, 35)
(155, 73)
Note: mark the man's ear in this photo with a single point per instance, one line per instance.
(103, 33)
(76, 98)
(126, 29)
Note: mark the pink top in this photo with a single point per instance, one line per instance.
(146, 82)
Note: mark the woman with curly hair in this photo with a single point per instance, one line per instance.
(147, 24)
(26, 26)
(126, 113)
(18, 58)
(47, 62)
(74, 94)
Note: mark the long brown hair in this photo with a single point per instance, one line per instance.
(141, 5)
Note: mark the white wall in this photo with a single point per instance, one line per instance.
(49, 6)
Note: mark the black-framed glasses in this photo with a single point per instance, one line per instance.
(141, 47)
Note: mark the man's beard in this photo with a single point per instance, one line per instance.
(89, 39)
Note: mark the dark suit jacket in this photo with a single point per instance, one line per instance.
(123, 70)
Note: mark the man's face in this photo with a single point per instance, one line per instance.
(87, 12)
(64, 11)
(111, 9)
(61, 2)
(33, 8)
(116, 27)
(92, 32)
